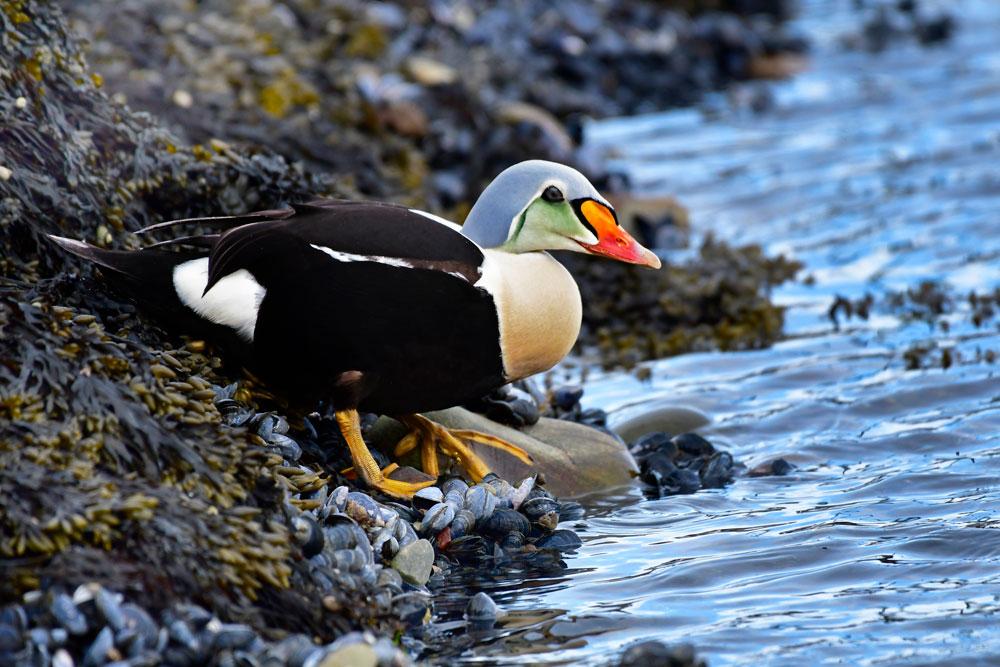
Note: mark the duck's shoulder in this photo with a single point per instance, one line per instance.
(347, 231)
(377, 228)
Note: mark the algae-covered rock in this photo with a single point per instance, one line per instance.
(718, 300)
(114, 465)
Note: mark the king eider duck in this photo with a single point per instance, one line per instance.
(386, 309)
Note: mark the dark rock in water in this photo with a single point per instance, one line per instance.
(694, 445)
(566, 398)
(657, 654)
(781, 467)
(885, 25)
(682, 464)
(777, 467)
(481, 610)
(654, 443)
(717, 471)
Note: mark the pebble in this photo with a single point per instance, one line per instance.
(481, 609)
(777, 467)
(654, 653)
(414, 561)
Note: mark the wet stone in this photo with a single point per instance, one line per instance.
(693, 444)
(655, 653)
(777, 467)
(682, 464)
(481, 609)
(566, 398)
(414, 561)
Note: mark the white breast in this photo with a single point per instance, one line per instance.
(233, 301)
(538, 307)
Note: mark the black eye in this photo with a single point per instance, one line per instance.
(553, 194)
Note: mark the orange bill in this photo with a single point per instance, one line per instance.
(612, 240)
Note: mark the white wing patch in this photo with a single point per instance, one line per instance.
(233, 301)
(437, 219)
(351, 257)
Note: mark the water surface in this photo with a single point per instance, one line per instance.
(877, 171)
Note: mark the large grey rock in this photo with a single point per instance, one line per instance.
(673, 419)
(574, 459)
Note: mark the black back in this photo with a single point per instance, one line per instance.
(368, 334)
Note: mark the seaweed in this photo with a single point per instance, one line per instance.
(717, 300)
(114, 465)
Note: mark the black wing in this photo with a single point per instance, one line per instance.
(275, 247)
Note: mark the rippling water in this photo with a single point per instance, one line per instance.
(883, 546)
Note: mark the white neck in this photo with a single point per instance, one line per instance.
(538, 307)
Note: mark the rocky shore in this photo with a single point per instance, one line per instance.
(149, 512)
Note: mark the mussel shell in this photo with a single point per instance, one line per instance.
(427, 497)
(288, 449)
(15, 617)
(454, 484)
(481, 501)
(363, 509)
(404, 512)
(12, 639)
(67, 614)
(308, 534)
(343, 532)
(468, 549)
(523, 491)
(463, 523)
(139, 620)
(389, 549)
(693, 444)
(405, 533)
(513, 541)
(455, 498)
(504, 521)
(97, 652)
(718, 471)
(539, 506)
(437, 519)
(562, 540)
(109, 604)
(233, 636)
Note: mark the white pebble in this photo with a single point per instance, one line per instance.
(183, 99)
(5, 173)
(21, 102)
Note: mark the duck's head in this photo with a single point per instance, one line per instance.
(539, 205)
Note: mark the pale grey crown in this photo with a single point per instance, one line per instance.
(502, 202)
